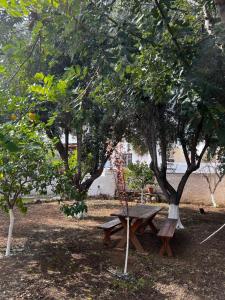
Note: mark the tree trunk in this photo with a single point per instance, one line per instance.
(220, 4)
(79, 152)
(174, 214)
(156, 137)
(176, 197)
(11, 217)
(67, 149)
(213, 200)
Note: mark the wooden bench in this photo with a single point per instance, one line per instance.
(166, 233)
(110, 228)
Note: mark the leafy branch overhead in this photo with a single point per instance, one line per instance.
(99, 71)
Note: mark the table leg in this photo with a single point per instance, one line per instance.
(152, 226)
(133, 236)
(133, 239)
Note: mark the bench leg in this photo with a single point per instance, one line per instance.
(107, 234)
(166, 247)
(107, 239)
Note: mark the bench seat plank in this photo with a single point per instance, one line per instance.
(168, 228)
(110, 228)
(110, 224)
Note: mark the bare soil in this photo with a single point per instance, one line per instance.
(55, 257)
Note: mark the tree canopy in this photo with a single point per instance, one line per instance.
(102, 70)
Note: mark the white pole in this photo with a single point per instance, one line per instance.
(211, 235)
(127, 246)
(11, 224)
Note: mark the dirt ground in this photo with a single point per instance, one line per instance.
(55, 257)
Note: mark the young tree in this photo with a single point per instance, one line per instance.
(213, 171)
(22, 171)
(213, 176)
(138, 175)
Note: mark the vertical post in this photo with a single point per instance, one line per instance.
(127, 246)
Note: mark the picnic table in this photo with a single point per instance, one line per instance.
(140, 217)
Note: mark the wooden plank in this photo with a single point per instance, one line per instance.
(110, 224)
(151, 212)
(168, 228)
(139, 211)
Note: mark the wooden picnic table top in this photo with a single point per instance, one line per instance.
(138, 212)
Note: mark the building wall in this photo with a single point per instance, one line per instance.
(196, 190)
(104, 185)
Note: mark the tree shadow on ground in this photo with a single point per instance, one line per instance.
(71, 262)
(68, 261)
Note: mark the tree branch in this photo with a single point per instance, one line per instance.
(24, 61)
(174, 39)
(184, 147)
(202, 153)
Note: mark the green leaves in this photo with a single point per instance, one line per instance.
(76, 210)
(49, 88)
(24, 170)
(138, 175)
(7, 143)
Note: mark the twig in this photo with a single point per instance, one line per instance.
(84, 92)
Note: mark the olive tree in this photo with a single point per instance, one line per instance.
(173, 94)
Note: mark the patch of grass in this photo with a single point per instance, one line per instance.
(133, 285)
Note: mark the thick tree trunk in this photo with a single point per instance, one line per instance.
(11, 224)
(175, 199)
(174, 214)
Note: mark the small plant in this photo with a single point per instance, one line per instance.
(78, 209)
(64, 187)
(137, 176)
